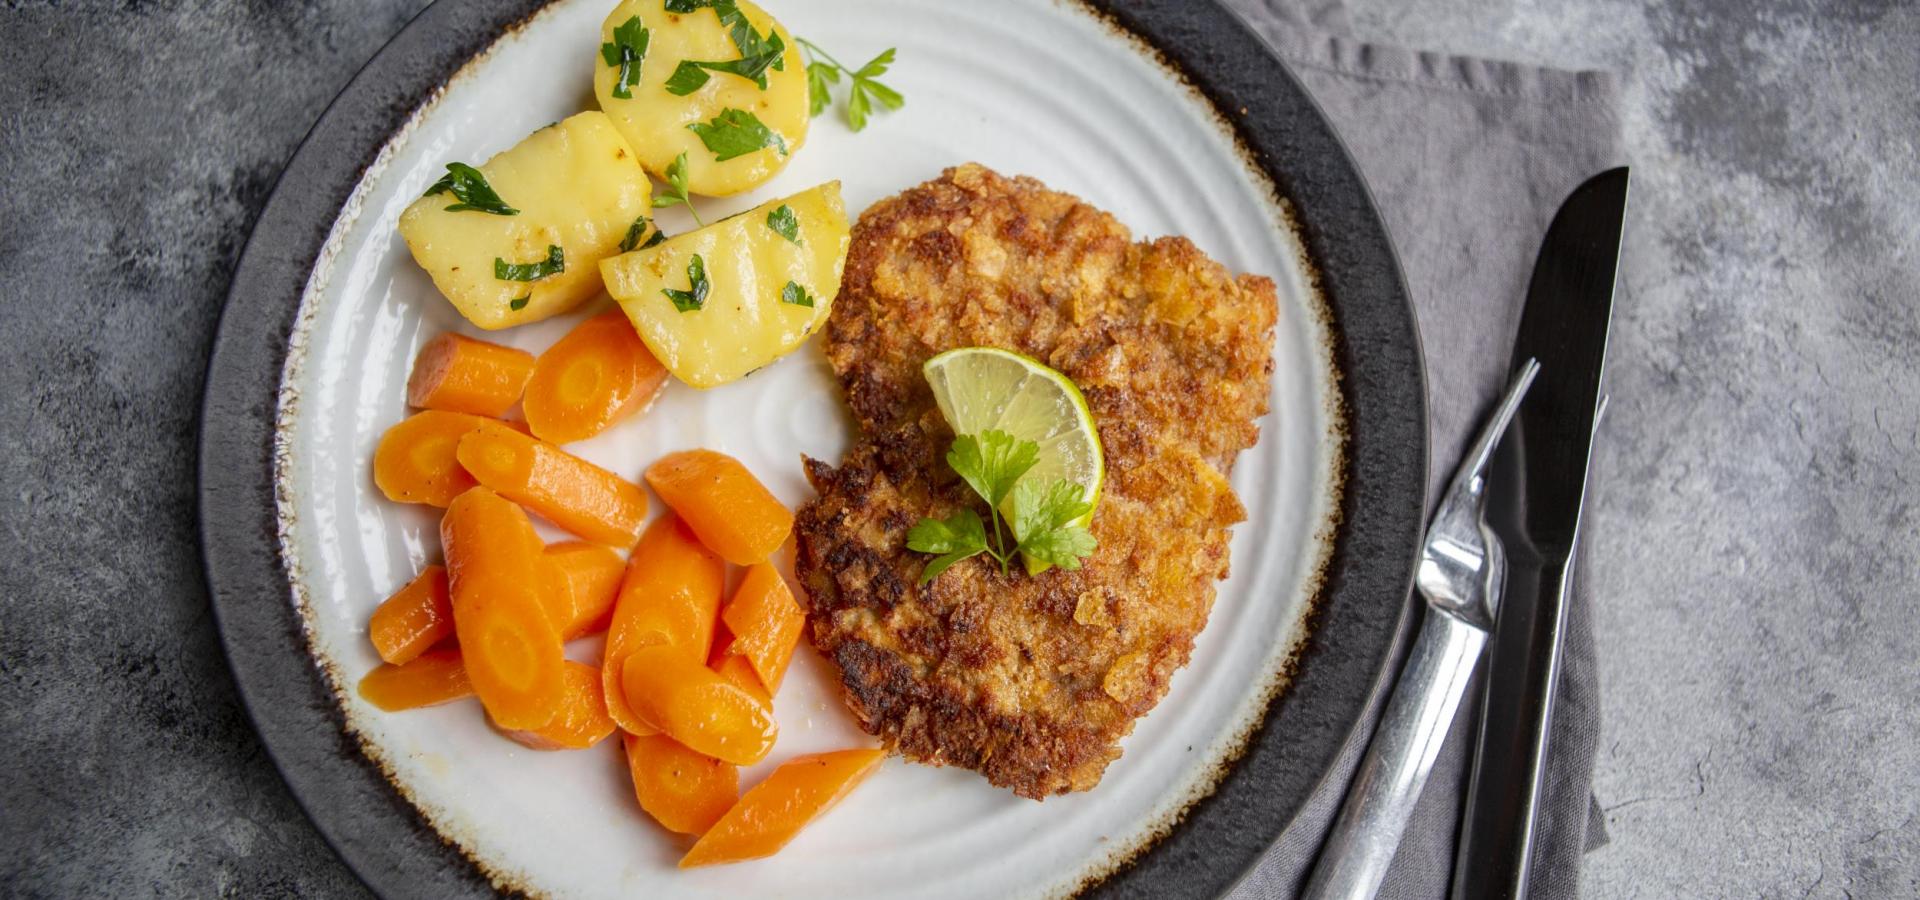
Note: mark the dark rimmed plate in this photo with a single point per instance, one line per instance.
(324, 302)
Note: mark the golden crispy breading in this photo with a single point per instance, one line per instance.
(1030, 680)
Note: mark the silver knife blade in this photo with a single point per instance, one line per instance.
(1536, 493)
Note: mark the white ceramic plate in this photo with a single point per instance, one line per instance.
(1036, 88)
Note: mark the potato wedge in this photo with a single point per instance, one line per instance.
(735, 133)
(769, 281)
(576, 186)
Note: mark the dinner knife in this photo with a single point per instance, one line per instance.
(1537, 490)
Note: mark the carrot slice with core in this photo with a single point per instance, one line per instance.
(694, 705)
(600, 373)
(684, 791)
(582, 721)
(432, 678)
(512, 650)
(414, 618)
(565, 489)
(766, 622)
(416, 460)
(459, 374)
(588, 580)
(670, 596)
(723, 503)
(773, 811)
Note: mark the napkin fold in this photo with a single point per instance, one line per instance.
(1468, 159)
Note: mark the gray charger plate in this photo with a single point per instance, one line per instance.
(1358, 615)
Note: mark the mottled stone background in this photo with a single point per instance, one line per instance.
(1756, 557)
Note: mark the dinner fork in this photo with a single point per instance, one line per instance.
(1462, 571)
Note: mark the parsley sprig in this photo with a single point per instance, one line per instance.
(757, 53)
(1043, 527)
(626, 51)
(695, 296)
(554, 264)
(736, 132)
(675, 193)
(470, 187)
(642, 227)
(866, 89)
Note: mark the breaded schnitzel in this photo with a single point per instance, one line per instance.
(1031, 680)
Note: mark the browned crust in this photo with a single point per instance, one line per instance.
(1030, 680)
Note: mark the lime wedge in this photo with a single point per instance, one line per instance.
(987, 389)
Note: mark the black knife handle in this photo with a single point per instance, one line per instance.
(1503, 798)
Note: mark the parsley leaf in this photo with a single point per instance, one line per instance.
(470, 187)
(736, 132)
(675, 193)
(695, 296)
(991, 462)
(819, 75)
(785, 223)
(554, 264)
(627, 50)
(641, 226)
(757, 53)
(954, 538)
(1043, 523)
(519, 303)
(795, 294)
(865, 88)
(1042, 517)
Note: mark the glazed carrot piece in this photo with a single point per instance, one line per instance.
(597, 375)
(773, 811)
(565, 489)
(432, 678)
(692, 704)
(512, 651)
(459, 374)
(588, 581)
(414, 618)
(682, 790)
(731, 511)
(416, 460)
(765, 622)
(671, 596)
(582, 721)
(737, 671)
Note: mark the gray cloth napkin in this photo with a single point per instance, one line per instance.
(1468, 159)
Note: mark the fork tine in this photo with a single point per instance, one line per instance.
(1474, 466)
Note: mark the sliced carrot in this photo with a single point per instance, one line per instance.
(416, 460)
(565, 489)
(513, 652)
(739, 672)
(723, 503)
(671, 596)
(414, 618)
(432, 678)
(597, 375)
(692, 704)
(682, 790)
(765, 622)
(773, 811)
(459, 374)
(582, 721)
(589, 580)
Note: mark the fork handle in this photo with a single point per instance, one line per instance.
(1412, 728)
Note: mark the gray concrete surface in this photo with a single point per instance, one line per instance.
(1757, 554)
(1756, 542)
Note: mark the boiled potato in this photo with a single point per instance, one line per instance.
(764, 126)
(576, 186)
(769, 274)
